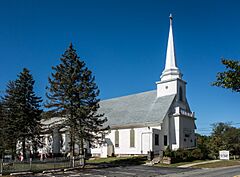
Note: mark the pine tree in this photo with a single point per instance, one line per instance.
(10, 126)
(22, 110)
(1, 130)
(73, 92)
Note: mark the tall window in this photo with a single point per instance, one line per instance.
(165, 140)
(132, 138)
(116, 138)
(156, 140)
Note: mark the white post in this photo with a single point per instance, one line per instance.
(30, 161)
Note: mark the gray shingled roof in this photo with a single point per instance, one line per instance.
(142, 108)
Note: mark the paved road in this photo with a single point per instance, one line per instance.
(214, 172)
(146, 171)
(136, 171)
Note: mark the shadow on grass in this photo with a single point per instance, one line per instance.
(116, 162)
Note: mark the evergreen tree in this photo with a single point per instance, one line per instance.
(10, 125)
(1, 130)
(22, 110)
(73, 92)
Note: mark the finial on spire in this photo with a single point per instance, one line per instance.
(171, 18)
(71, 45)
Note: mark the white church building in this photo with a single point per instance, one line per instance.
(143, 122)
(153, 120)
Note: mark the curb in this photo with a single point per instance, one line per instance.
(21, 173)
(52, 171)
(198, 163)
(69, 169)
(59, 170)
(44, 172)
(73, 168)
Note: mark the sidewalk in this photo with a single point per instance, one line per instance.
(198, 163)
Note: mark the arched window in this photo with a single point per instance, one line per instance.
(116, 138)
(180, 94)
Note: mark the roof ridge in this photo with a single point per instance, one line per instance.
(125, 96)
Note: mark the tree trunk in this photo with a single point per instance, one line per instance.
(81, 148)
(34, 149)
(72, 144)
(82, 153)
(13, 149)
(72, 136)
(24, 148)
(73, 148)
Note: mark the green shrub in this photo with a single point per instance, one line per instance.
(168, 152)
(197, 154)
(185, 155)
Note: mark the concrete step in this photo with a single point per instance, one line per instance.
(156, 160)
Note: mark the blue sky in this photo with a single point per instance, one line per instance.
(124, 43)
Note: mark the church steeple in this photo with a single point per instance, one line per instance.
(171, 70)
(171, 79)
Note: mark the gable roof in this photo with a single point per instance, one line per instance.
(138, 109)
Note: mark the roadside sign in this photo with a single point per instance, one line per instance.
(224, 155)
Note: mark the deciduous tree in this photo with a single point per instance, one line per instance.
(224, 137)
(230, 78)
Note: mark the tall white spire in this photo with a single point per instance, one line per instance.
(171, 70)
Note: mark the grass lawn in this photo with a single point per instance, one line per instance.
(222, 163)
(40, 166)
(105, 160)
(119, 161)
(177, 164)
(36, 167)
